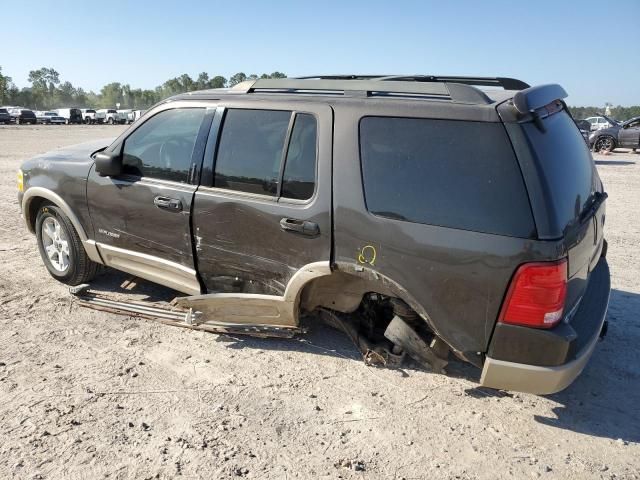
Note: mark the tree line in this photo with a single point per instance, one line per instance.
(48, 91)
(619, 112)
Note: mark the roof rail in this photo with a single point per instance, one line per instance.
(370, 87)
(504, 82)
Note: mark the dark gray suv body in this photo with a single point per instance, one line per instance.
(480, 213)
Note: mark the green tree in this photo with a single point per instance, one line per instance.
(43, 86)
(111, 94)
(187, 83)
(203, 81)
(218, 82)
(64, 95)
(237, 78)
(5, 85)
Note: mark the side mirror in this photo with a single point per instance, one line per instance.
(108, 164)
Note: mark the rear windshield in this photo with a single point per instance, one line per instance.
(91, 111)
(449, 173)
(27, 113)
(3, 110)
(111, 111)
(565, 165)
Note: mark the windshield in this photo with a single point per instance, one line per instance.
(91, 111)
(50, 114)
(632, 120)
(111, 111)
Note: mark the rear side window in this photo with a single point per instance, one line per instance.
(162, 147)
(449, 173)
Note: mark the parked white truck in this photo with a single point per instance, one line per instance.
(113, 117)
(91, 116)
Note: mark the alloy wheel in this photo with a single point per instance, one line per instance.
(55, 244)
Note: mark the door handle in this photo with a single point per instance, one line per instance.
(300, 226)
(168, 203)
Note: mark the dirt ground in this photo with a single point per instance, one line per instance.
(88, 394)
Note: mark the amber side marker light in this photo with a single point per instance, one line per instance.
(20, 181)
(536, 295)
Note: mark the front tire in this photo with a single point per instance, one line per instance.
(604, 144)
(61, 247)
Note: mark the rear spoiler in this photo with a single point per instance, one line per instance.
(531, 99)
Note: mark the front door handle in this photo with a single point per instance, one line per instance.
(300, 226)
(168, 203)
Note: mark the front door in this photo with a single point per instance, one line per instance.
(141, 218)
(629, 136)
(263, 210)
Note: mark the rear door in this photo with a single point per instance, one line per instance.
(141, 218)
(263, 209)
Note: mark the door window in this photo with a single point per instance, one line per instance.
(252, 149)
(162, 147)
(299, 176)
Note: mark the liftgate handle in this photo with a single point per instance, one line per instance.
(300, 226)
(168, 203)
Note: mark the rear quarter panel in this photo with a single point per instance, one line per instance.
(458, 278)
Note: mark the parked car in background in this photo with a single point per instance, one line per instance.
(134, 115)
(5, 116)
(123, 115)
(23, 115)
(600, 122)
(623, 135)
(585, 129)
(110, 115)
(492, 248)
(91, 116)
(50, 118)
(71, 115)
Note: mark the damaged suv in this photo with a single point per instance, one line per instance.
(423, 215)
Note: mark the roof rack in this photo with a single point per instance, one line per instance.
(365, 86)
(504, 82)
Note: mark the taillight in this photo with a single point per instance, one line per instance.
(536, 295)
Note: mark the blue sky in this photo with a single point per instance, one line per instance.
(592, 48)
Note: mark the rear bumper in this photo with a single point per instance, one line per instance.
(588, 322)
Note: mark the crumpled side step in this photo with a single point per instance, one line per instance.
(175, 316)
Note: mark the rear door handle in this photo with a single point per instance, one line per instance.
(168, 203)
(303, 227)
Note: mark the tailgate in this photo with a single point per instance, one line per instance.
(573, 203)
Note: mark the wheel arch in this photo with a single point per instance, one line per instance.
(35, 197)
(344, 289)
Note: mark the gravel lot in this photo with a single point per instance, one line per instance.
(87, 394)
